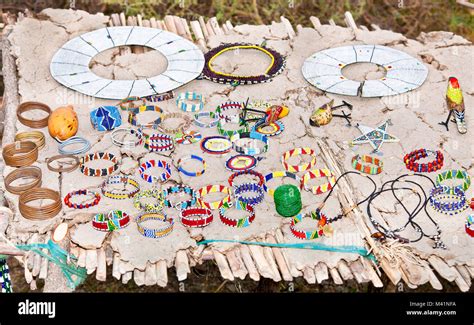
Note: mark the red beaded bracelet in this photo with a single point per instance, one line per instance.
(411, 158)
(260, 177)
(67, 199)
(241, 222)
(196, 217)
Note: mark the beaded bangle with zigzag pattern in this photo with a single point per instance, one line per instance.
(306, 235)
(155, 163)
(67, 199)
(179, 189)
(203, 191)
(237, 223)
(97, 172)
(318, 173)
(278, 174)
(196, 217)
(114, 220)
(296, 152)
(455, 174)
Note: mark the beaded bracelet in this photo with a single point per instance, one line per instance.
(306, 235)
(188, 137)
(469, 226)
(367, 164)
(95, 201)
(455, 174)
(114, 220)
(229, 133)
(183, 98)
(179, 189)
(210, 115)
(180, 128)
(277, 127)
(196, 217)
(105, 118)
(155, 207)
(216, 145)
(442, 192)
(296, 152)
(237, 223)
(86, 145)
(318, 173)
(277, 175)
(158, 142)
(213, 189)
(137, 134)
(261, 179)
(250, 147)
(120, 194)
(188, 173)
(128, 103)
(249, 187)
(97, 172)
(154, 232)
(241, 163)
(133, 113)
(37, 137)
(159, 97)
(223, 109)
(411, 158)
(155, 163)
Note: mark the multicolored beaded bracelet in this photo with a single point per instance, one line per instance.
(241, 163)
(159, 97)
(240, 189)
(307, 235)
(411, 158)
(223, 109)
(367, 164)
(237, 223)
(137, 134)
(154, 232)
(440, 193)
(105, 118)
(133, 114)
(155, 163)
(318, 173)
(196, 217)
(85, 146)
(182, 101)
(114, 220)
(185, 123)
(179, 189)
(97, 172)
(188, 173)
(121, 194)
(469, 226)
(261, 179)
(455, 174)
(67, 199)
(277, 127)
(296, 152)
(158, 142)
(216, 145)
(129, 103)
(188, 137)
(230, 133)
(277, 175)
(156, 206)
(203, 191)
(210, 115)
(249, 147)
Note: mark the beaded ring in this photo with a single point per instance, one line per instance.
(307, 235)
(179, 189)
(237, 223)
(411, 158)
(155, 163)
(196, 217)
(223, 109)
(318, 173)
(278, 174)
(455, 174)
(157, 206)
(154, 232)
(128, 103)
(183, 98)
(97, 172)
(261, 179)
(138, 134)
(114, 220)
(250, 147)
(133, 113)
(203, 191)
(277, 127)
(240, 189)
(367, 164)
(296, 152)
(210, 115)
(442, 192)
(86, 145)
(120, 194)
(95, 201)
(276, 66)
(158, 142)
(188, 173)
(241, 163)
(189, 137)
(216, 145)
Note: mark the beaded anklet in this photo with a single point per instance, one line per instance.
(203, 191)
(154, 232)
(159, 97)
(296, 152)
(307, 235)
(158, 142)
(230, 133)
(188, 173)
(257, 198)
(183, 98)
(179, 189)
(180, 128)
(318, 173)
(411, 158)
(442, 192)
(155, 163)
(237, 223)
(155, 207)
(117, 194)
(196, 217)
(97, 172)
(129, 103)
(67, 199)
(367, 164)
(114, 220)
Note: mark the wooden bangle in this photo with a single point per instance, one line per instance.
(23, 172)
(44, 212)
(37, 137)
(19, 154)
(30, 106)
(73, 166)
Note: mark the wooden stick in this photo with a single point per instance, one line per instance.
(7, 249)
(210, 30)
(236, 264)
(464, 273)
(215, 26)
(293, 270)
(336, 278)
(229, 25)
(204, 28)
(179, 26)
(459, 280)
(350, 21)
(139, 277)
(364, 28)
(280, 259)
(263, 267)
(471, 270)
(224, 268)
(162, 25)
(268, 253)
(161, 273)
(359, 272)
(435, 283)
(81, 260)
(372, 274)
(442, 268)
(36, 265)
(170, 25)
(115, 267)
(116, 19)
(101, 273)
(289, 28)
(308, 275)
(182, 265)
(344, 270)
(416, 274)
(375, 27)
(91, 260)
(127, 276)
(150, 274)
(315, 21)
(153, 22)
(185, 24)
(332, 22)
(321, 272)
(407, 281)
(123, 19)
(44, 269)
(249, 265)
(198, 34)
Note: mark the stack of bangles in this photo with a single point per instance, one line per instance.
(179, 189)
(210, 115)
(188, 173)
(156, 206)
(307, 235)
(470, 225)
(241, 143)
(203, 191)
(196, 217)
(97, 172)
(114, 220)
(133, 116)
(20, 154)
(37, 137)
(439, 194)
(278, 174)
(94, 195)
(85, 146)
(411, 158)
(318, 173)
(44, 212)
(121, 194)
(158, 142)
(455, 174)
(183, 101)
(27, 172)
(367, 164)
(222, 112)
(61, 169)
(118, 137)
(155, 163)
(154, 232)
(296, 152)
(185, 123)
(241, 222)
(129, 103)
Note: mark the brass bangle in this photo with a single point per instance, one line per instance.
(37, 137)
(61, 169)
(23, 172)
(44, 212)
(30, 106)
(19, 154)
